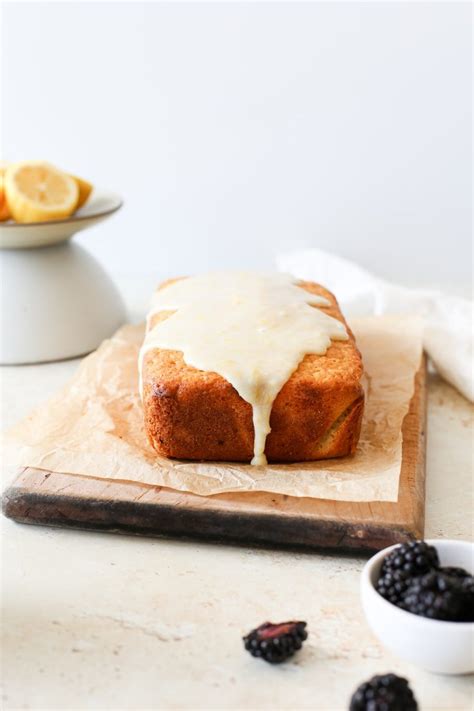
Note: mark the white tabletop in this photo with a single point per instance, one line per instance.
(100, 621)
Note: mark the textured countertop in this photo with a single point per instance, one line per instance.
(97, 621)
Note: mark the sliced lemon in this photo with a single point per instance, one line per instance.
(85, 190)
(4, 211)
(37, 191)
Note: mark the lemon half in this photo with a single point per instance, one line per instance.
(85, 190)
(37, 192)
(4, 211)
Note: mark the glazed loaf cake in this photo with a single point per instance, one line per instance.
(194, 414)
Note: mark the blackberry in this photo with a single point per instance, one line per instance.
(276, 642)
(454, 572)
(384, 693)
(467, 584)
(401, 565)
(440, 597)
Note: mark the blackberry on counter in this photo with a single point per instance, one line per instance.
(276, 642)
(388, 692)
(403, 563)
(440, 597)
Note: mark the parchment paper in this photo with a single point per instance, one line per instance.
(94, 426)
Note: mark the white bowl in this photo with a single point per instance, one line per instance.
(56, 302)
(434, 645)
(16, 235)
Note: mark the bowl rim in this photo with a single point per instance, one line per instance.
(410, 617)
(118, 203)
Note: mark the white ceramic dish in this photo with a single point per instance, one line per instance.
(57, 302)
(101, 204)
(434, 645)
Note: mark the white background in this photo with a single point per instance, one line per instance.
(235, 130)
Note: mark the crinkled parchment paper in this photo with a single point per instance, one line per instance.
(94, 427)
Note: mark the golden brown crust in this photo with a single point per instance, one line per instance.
(193, 414)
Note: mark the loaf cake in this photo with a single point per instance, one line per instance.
(194, 414)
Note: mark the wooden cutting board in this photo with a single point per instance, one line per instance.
(52, 499)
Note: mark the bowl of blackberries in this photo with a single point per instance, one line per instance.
(418, 598)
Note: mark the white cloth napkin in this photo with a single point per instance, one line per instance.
(447, 320)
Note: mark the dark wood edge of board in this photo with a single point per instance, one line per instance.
(245, 527)
(152, 520)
